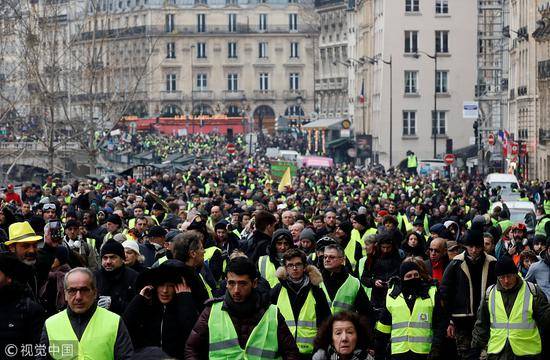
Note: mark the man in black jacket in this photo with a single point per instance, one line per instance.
(259, 242)
(464, 282)
(297, 281)
(21, 319)
(115, 281)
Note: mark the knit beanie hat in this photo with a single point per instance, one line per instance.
(346, 227)
(504, 266)
(361, 219)
(115, 219)
(113, 247)
(406, 267)
(309, 234)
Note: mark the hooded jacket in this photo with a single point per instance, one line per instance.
(119, 284)
(298, 296)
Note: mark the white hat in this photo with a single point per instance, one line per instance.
(132, 245)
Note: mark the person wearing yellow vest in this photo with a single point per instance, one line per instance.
(240, 325)
(510, 317)
(411, 317)
(226, 243)
(299, 299)
(281, 241)
(412, 163)
(85, 330)
(343, 290)
(353, 246)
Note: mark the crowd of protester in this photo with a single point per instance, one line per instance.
(221, 262)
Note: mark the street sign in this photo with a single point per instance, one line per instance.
(470, 110)
(449, 159)
(231, 148)
(491, 139)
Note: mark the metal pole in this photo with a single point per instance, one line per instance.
(436, 118)
(391, 111)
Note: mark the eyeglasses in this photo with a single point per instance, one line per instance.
(295, 266)
(83, 291)
(331, 257)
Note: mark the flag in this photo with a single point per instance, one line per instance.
(362, 95)
(286, 180)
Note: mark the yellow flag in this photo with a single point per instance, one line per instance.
(286, 180)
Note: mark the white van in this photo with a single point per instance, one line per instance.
(505, 181)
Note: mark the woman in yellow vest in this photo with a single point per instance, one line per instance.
(510, 316)
(410, 319)
(300, 299)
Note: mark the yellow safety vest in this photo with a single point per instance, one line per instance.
(520, 329)
(97, 341)
(268, 271)
(304, 328)
(206, 286)
(349, 251)
(224, 342)
(344, 300)
(410, 331)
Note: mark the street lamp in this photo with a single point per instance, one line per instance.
(389, 62)
(435, 115)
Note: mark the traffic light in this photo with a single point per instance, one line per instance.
(476, 131)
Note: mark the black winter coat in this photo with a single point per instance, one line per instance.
(21, 319)
(152, 324)
(119, 285)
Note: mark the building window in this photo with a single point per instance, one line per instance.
(171, 82)
(441, 82)
(201, 50)
(293, 22)
(232, 22)
(409, 123)
(438, 122)
(263, 22)
(169, 23)
(442, 41)
(232, 50)
(294, 50)
(171, 50)
(262, 50)
(264, 81)
(232, 82)
(441, 6)
(412, 5)
(411, 42)
(411, 81)
(294, 81)
(201, 23)
(202, 83)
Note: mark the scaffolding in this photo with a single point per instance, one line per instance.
(492, 70)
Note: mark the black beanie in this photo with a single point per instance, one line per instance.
(406, 267)
(113, 247)
(504, 266)
(346, 227)
(115, 219)
(474, 238)
(361, 219)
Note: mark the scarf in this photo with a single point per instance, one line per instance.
(242, 310)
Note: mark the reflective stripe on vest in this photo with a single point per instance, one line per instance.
(520, 329)
(224, 343)
(344, 300)
(206, 286)
(268, 271)
(304, 329)
(411, 331)
(97, 341)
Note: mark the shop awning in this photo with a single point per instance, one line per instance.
(323, 124)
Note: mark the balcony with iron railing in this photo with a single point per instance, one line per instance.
(175, 95)
(203, 95)
(293, 94)
(264, 94)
